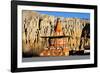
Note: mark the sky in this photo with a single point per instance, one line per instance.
(67, 14)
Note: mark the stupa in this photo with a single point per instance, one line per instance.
(57, 43)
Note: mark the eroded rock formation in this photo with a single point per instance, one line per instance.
(35, 25)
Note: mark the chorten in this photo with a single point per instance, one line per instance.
(59, 42)
(58, 28)
(57, 45)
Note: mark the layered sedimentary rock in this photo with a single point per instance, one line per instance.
(36, 25)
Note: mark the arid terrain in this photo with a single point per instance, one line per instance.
(36, 25)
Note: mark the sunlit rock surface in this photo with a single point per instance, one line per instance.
(36, 25)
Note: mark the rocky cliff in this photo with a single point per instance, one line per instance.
(35, 25)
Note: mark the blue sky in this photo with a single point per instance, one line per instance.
(67, 14)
